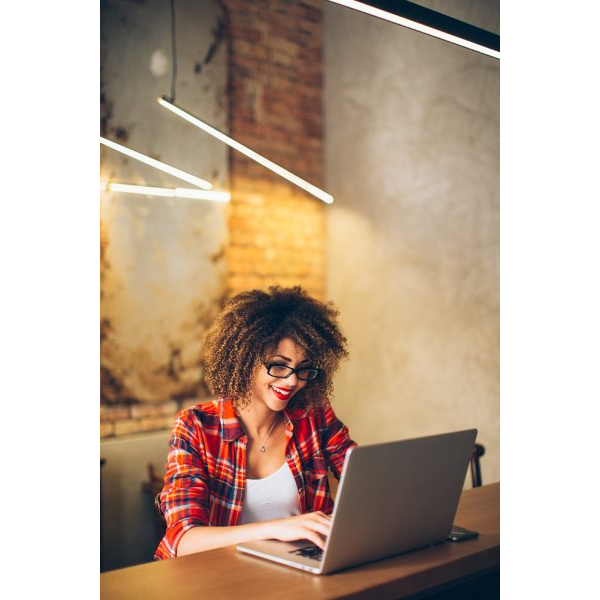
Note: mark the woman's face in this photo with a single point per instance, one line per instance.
(277, 392)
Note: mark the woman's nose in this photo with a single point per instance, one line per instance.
(291, 381)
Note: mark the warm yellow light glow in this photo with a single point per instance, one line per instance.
(201, 183)
(442, 35)
(265, 162)
(166, 192)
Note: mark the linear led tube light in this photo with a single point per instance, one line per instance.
(265, 162)
(201, 183)
(166, 192)
(431, 23)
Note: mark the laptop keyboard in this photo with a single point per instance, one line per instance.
(311, 551)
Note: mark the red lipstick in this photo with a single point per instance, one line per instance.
(281, 393)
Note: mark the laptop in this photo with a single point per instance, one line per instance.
(392, 498)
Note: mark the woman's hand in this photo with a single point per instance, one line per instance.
(309, 526)
(312, 526)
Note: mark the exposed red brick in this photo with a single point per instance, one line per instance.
(248, 34)
(155, 423)
(127, 427)
(107, 430)
(113, 413)
(154, 410)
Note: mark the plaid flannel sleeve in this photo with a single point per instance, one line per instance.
(337, 441)
(184, 500)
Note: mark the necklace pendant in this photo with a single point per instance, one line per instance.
(262, 449)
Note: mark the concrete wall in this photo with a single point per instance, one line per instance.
(163, 269)
(412, 157)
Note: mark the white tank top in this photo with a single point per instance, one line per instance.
(272, 497)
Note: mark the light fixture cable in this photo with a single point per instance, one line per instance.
(173, 52)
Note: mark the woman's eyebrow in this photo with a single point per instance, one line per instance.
(290, 360)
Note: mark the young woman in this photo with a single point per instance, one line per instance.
(253, 465)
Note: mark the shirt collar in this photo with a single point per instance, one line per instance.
(231, 427)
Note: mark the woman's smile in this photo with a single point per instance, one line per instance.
(282, 393)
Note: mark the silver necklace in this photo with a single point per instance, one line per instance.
(261, 448)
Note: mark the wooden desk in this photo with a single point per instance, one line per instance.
(225, 573)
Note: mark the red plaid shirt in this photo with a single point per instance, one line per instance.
(206, 468)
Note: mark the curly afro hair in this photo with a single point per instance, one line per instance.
(248, 330)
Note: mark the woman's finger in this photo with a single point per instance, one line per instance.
(319, 516)
(323, 528)
(322, 520)
(316, 539)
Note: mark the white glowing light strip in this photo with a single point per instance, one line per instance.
(265, 162)
(166, 192)
(201, 183)
(442, 35)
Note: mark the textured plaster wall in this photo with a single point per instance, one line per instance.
(412, 157)
(163, 269)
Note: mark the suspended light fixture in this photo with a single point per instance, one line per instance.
(265, 162)
(169, 103)
(201, 183)
(166, 192)
(430, 22)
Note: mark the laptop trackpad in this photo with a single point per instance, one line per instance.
(299, 553)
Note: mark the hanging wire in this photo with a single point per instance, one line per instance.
(173, 52)
(218, 36)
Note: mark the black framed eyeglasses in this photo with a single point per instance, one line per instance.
(283, 371)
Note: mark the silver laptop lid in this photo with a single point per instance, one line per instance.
(397, 496)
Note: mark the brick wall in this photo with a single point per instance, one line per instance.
(275, 107)
(137, 418)
(276, 230)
